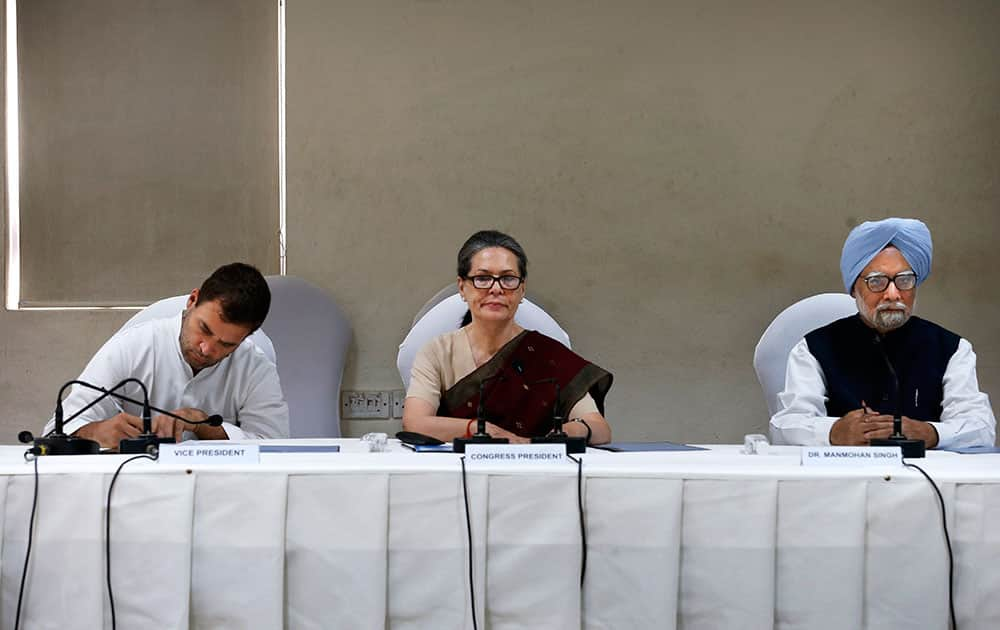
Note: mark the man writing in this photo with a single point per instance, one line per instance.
(195, 364)
(839, 383)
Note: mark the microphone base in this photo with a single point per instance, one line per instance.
(66, 445)
(458, 444)
(912, 449)
(574, 444)
(148, 444)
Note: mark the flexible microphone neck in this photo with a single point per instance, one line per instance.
(214, 420)
(481, 408)
(480, 436)
(573, 444)
(897, 416)
(57, 442)
(557, 419)
(909, 447)
(58, 429)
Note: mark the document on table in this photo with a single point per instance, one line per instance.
(638, 447)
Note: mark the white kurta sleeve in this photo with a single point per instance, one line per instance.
(966, 418)
(801, 418)
(264, 412)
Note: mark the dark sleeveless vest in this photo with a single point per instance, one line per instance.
(851, 355)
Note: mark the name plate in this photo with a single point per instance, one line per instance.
(514, 455)
(214, 453)
(852, 456)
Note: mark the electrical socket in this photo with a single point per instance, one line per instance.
(398, 398)
(365, 404)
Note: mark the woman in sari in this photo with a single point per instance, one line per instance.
(518, 380)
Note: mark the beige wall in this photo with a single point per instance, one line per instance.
(677, 171)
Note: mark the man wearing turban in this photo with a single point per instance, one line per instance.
(841, 379)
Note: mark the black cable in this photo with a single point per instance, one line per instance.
(107, 533)
(947, 540)
(27, 552)
(468, 529)
(583, 523)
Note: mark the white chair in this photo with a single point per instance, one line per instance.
(311, 335)
(770, 357)
(444, 312)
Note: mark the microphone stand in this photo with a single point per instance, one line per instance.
(557, 435)
(480, 436)
(58, 443)
(912, 448)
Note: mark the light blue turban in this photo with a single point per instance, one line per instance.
(910, 236)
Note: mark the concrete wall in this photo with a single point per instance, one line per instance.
(678, 172)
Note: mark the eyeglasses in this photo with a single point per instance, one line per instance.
(879, 282)
(508, 283)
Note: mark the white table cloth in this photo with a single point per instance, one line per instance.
(353, 540)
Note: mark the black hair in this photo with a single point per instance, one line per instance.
(241, 291)
(485, 239)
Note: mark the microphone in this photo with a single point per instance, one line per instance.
(40, 447)
(911, 448)
(58, 443)
(214, 420)
(480, 436)
(557, 435)
(897, 416)
(481, 407)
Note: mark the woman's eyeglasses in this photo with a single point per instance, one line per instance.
(508, 283)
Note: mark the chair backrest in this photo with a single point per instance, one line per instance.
(437, 298)
(770, 357)
(441, 315)
(311, 335)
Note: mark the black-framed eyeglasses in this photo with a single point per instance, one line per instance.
(879, 282)
(508, 283)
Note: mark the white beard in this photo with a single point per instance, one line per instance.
(890, 319)
(885, 317)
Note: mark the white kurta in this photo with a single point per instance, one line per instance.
(966, 417)
(243, 388)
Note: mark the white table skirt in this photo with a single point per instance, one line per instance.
(675, 540)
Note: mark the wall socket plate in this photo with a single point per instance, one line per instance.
(398, 396)
(365, 404)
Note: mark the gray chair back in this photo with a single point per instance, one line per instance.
(311, 336)
(306, 336)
